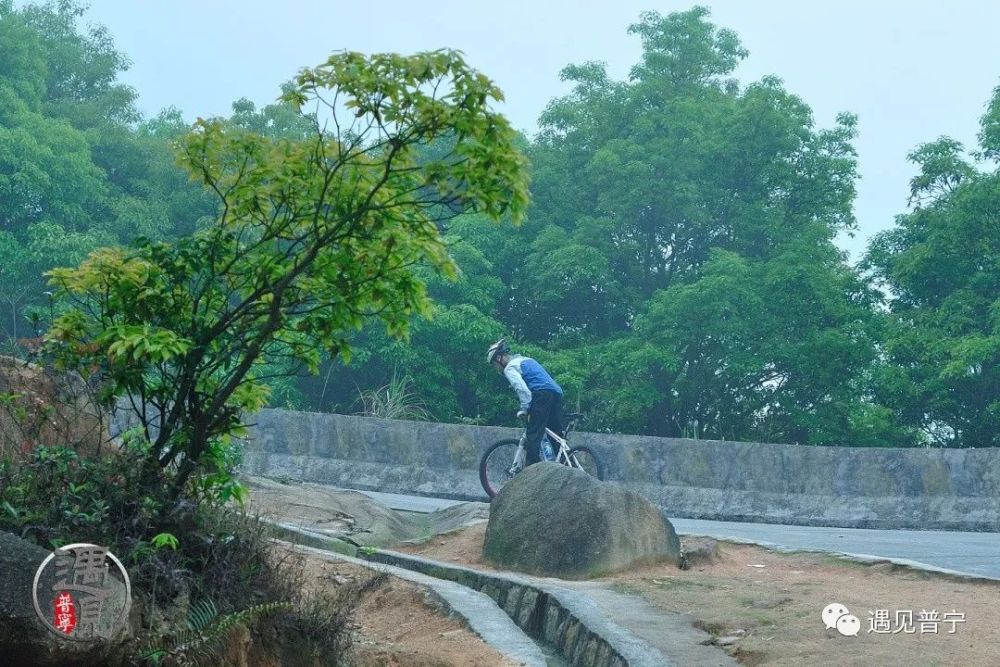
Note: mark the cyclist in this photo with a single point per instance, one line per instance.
(538, 393)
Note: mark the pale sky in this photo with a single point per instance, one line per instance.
(911, 70)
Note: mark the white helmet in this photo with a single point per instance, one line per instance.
(497, 348)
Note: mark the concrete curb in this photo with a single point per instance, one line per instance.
(565, 619)
(476, 609)
(303, 536)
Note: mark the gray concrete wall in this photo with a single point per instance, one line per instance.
(945, 489)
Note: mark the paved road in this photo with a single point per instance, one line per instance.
(963, 552)
(967, 553)
(423, 504)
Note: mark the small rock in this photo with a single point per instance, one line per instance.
(698, 551)
(451, 634)
(727, 640)
(755, 565)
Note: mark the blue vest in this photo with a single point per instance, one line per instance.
(536, 378)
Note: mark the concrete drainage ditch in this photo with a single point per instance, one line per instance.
(534, 621)
(566, 620)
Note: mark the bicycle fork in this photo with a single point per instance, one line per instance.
(519, 457)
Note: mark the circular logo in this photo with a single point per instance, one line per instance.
(836, 615)
(79, 596)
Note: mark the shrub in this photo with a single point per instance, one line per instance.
(395, 400)
(192, 554)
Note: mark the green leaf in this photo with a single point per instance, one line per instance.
(165, 540)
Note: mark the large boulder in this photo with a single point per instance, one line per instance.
(24, 639)
(39, 406)
(558, 521)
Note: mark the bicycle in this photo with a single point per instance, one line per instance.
(505, 458)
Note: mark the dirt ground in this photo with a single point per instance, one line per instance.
(396, 627)
(766, 607)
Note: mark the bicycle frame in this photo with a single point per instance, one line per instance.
(562, 454)
(499, 464)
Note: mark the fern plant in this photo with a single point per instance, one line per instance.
(203, 637)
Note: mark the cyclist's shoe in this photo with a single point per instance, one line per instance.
(574, 416)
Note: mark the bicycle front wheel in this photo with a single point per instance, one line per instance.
(586, 460)
(497, 467)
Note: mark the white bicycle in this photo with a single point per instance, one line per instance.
(505, 458)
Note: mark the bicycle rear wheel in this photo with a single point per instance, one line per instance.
(496, 464)
(585, 459)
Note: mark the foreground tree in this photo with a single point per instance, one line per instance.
(314, 235)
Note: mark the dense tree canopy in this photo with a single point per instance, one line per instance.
(79, 169)
(940, 268)
(678, 263)
(676, 269)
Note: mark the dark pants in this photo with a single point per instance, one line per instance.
(545, 411)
